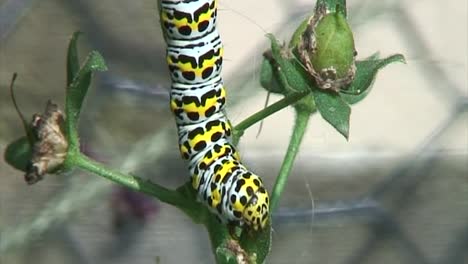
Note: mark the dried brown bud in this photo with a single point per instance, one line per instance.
(241, 256)
(50, 147)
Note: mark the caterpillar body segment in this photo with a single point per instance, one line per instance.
(190, 69)
(191, 108)
(198, 97)
(185, 19)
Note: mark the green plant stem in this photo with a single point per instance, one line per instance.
(300, 126)
(264, 113)
(132, 182)
(71, 130)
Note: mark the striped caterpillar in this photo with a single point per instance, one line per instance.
(194, 57)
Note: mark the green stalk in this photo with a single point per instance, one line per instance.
(264, 113)
(132, 182)
(300, 126)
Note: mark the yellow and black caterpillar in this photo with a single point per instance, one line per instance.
(194, 57)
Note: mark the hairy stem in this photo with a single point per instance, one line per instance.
(300, 126)
(71, 131)
(264, 113)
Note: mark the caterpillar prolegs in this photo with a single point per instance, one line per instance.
(198, 97)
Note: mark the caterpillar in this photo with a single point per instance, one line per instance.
(195, 57)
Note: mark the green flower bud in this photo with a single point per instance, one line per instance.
(327, 50)
(19, 153)
(334, 45)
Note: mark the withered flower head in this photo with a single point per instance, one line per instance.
(50, 146)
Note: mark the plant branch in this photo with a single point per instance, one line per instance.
(264, 113)
(300, 126)
(132, 182)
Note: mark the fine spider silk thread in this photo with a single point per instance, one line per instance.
(194, 57)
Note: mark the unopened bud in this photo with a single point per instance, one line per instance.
(327, 51)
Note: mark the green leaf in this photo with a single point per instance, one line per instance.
(257, 242)
(268, 78)
(253, 245)
(77, 90)
(19, 153)
(289, 76)
(333, 109)
(366, 71)
(252, 242)
(73, 64)
(76, 93)
(219, 237)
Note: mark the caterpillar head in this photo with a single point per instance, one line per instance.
(255, 213)
(249, 201)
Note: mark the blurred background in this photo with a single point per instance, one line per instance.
(396, 192)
